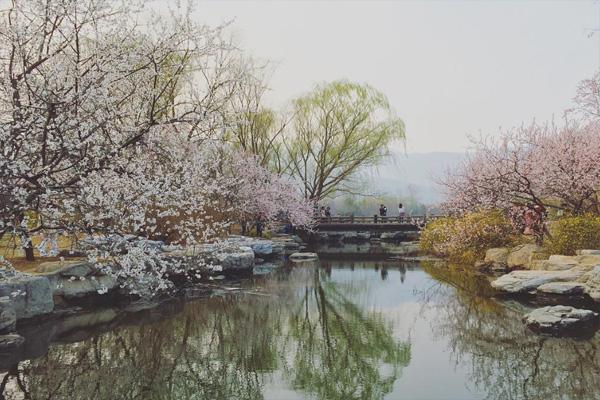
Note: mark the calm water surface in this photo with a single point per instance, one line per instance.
(344, 330)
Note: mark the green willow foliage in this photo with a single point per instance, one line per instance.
(339, 128)
(573, 233)
(466, 238)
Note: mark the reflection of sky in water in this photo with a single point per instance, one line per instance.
(403, 298)
(271, 343)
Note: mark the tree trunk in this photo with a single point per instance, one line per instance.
(29, 251)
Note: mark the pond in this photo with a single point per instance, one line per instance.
(340, 330)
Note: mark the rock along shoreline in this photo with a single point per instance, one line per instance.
(62, 288)
(568, 287)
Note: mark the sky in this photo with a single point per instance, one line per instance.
(451, 69)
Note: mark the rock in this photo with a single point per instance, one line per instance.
(589, 260)
(562, 288)
(497, 255)
(521, 256)
(50, 267)
(229, 257)
(10, 342)
(529, 280)
(559, 320)
(556, 263)
(591, 281)
(81, 287)
(30, 295)
(588, 252)
(262, 248)
(78, 270)
(8, 316)
(241, 258)
(304, 256)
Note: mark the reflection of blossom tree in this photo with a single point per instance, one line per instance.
(508, 361)
(225, 348)
(340, 349)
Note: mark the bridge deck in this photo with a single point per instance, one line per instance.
(372, 223)
(385, 227)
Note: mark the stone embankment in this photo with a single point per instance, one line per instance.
(557, 280)
(72, 282)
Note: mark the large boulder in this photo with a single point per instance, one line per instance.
(561, 320)
(229, 257)
(529, 280)
(75, 279)
(588, 252)
(8, 315)
(556, 263)
(261, 247)
(30, 295)
(591, 281)
(522, 256)
(85, 286)
(562, 288)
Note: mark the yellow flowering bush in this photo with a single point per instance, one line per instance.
(465, 239)
(573, 233)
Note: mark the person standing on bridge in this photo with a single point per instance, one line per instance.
(382, 210)
(401, 213)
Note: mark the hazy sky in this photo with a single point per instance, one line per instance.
(449, 68)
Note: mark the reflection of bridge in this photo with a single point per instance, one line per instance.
(374, 223)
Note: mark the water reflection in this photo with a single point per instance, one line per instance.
(308, 333)
(506, 360)
(345, 330)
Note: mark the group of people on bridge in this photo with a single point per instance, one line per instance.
(401, 212)
(324, 214)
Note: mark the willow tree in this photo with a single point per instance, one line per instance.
(339, 128)
(256, 129)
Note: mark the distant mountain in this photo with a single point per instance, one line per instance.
(413, 174)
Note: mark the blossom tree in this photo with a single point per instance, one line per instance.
(82, 84)
(547, 165)
(587, 100)
(261, 194)
(114, 131)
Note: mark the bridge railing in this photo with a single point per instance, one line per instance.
(376, 219)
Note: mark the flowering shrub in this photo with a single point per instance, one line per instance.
(575, 232)
(466, 238)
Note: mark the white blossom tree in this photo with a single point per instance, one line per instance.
(113, 127)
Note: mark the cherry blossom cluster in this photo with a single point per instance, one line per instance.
(110, 126)
(549, 165)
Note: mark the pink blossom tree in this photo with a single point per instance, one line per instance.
(547, 165)
(259, 193)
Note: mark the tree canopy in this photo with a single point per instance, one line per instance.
(339, 128)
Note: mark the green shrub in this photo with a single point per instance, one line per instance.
(465, 239)
(569, 234)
